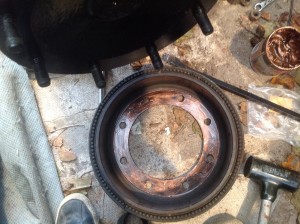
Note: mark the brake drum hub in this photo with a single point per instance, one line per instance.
(197, 173)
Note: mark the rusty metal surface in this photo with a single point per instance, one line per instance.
(205, 163)
(277, 54)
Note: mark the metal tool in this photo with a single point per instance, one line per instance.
(261, 5)
(172, 60)
(272, 178)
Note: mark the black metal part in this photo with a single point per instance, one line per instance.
(98, 75)
(13, 42)
(202, 18)
(41, 74)
(113, 32)
(272, 177)
(172, 60)
(33, 53)
(154, 55)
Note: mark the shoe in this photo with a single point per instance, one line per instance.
(76, 209)
(128, 218)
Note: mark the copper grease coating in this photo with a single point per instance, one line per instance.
(197, 173)
(283, 48)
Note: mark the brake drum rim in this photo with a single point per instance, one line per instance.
(236, 155)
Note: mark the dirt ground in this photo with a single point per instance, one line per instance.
(68, 105)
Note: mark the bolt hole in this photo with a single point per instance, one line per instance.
(122, 125)
(186, 185)
(207, 121)
(180, 98)
(123, 160)
(209, 158)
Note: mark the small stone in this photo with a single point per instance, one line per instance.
(137, 65)
(184, 49)
(243, 107)
(58, 142)
(260, 31)
(266, 16)
(66, 155)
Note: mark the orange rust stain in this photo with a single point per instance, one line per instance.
(292, 163)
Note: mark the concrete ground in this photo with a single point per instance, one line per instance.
(68, 105)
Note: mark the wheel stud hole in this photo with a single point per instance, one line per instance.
(207, 121)
(123, 160)
(122, 125)
(209, 158)
(180, 98)
(186, 185)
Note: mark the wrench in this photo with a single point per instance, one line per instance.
(261, 5)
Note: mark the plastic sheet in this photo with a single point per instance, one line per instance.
(266, 123)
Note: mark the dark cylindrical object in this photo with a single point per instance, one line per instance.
(202, 18)
(23, 10)
(98, 76)
(13, 43)
(271, 176)
(154, 55)
(40, 71)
